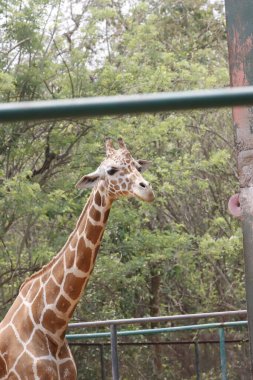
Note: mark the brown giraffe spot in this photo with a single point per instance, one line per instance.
(25, 289)
(73, 286)
(33, 291)
(106, 215)
(82, 224)
(3, 369)
(58, 271)
(62, 336)
(67, 370)
(71, 312)
(95, 214)
(69, 258)
(83, 256)
(38, 346)
(51, 322)
(23, 324)
(38, 306)
(64, 352)
(81, 227)
(95, 253)
(46, 276)
(12, 376)
(9, 339)
(123, 186)
(81, 246)
(53, 348)
(73, 307)
(47, 370)
(116, 187)
(97, 198)
(24, 367)
(52, 290)
(63, 304)
(74, 241)
(93, 232)
(103, 202)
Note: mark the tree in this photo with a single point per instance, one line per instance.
(182, 254)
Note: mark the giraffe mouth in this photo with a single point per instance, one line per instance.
(146, 195)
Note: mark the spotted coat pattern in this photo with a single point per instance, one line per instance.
(32, 334)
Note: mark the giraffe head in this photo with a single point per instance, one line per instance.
(120, 174)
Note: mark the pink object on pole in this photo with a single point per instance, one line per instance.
(234, 206)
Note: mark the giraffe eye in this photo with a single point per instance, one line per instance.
(112, 171)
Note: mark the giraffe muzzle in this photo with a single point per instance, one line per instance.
(144, 191)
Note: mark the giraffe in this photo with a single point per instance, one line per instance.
(32, 334)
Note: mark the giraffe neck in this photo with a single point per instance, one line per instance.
(54, 292)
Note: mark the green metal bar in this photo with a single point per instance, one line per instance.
(158, 330)
(129, 104)
(197, 364)
(223, 359)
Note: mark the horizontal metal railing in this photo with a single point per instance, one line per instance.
(125, 104)
(166, 318)
(113, 334)
(205, 326)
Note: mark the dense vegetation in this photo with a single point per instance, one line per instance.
(183, 253)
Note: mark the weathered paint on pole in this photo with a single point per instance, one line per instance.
(239, 15)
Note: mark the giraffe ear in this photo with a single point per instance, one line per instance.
(144, 165)
(88, 181)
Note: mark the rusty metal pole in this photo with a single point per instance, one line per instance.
(239, 16)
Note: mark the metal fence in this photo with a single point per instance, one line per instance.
(114, 333)
(240, 41)
(149, 103)
(197, 343)
(125, 104)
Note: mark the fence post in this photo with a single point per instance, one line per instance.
(223, 359)
(239, 15)
(102, 362)
(196, 348)
(114, 352)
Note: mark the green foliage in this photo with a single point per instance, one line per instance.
(181, 254)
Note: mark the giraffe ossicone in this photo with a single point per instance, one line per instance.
(32, 334)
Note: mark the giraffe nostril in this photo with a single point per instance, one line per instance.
(142, 184)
